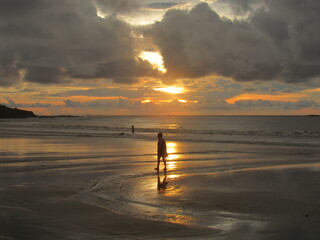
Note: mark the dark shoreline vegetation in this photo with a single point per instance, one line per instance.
(6, 112)
(58, 116)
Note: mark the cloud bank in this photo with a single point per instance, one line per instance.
(118, 6)
(53, 41)
(278, 42)
(57, 41)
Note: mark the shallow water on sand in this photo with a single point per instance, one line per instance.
(238, 189)
(245, 191)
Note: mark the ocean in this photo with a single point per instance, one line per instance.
(265, 130)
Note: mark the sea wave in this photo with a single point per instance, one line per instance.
(300, 131)
(294, 138)
(180, 130)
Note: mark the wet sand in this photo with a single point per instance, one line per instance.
(95, 188)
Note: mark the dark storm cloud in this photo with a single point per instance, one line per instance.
(55, 40)
(125, 71)
(14, 8)
(43, 74)
(302, 20)
(162, 5)
(281, 41)
(271, 25)
(9, 71)
(118, 6)
(239, 6)
(52, 41)
(201, 43)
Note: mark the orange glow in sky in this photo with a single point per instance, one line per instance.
(313, 90)
(253, 96)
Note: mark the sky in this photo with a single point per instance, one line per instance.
(154, 57)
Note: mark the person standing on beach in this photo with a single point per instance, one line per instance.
(132, 128)
(162, 151)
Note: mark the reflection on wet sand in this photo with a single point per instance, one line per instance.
(162, 185)
(179, 219)
(165, 190)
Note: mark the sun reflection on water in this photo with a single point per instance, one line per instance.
(173, 176)
(172, 152)
(167, 186)
(169, 190)
(179, 219)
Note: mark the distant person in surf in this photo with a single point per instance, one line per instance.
(162, 151)
(132, 128)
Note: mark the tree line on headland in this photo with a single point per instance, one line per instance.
(6, 112)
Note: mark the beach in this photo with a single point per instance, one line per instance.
(93, 187)
(38, 184)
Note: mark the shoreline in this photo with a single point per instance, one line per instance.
(129, 136)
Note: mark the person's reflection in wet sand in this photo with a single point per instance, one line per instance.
(162, 185)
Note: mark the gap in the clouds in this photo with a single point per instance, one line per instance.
(155, 58)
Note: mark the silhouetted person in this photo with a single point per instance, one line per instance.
(162, 151)
(132, 128)
(162, 185)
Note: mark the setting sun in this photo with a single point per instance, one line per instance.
(174, 90)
